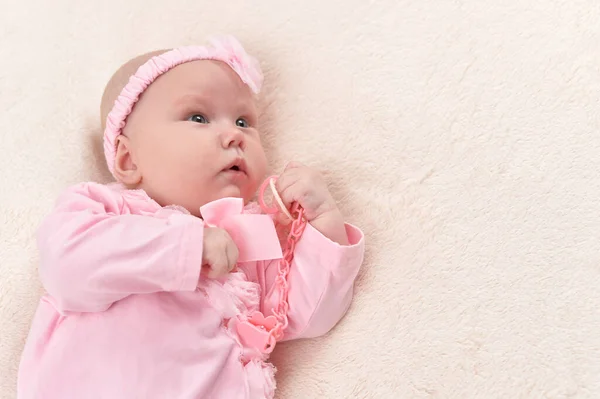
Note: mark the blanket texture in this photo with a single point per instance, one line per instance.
(462, 136)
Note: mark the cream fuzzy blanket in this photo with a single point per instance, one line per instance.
(461, 135)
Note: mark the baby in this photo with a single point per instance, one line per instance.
(171, 283)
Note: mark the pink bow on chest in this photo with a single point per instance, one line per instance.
(256, 239)
(254, 234)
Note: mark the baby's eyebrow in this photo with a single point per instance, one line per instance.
(191, 98)
(196, 99)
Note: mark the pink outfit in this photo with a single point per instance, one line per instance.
(128, 314)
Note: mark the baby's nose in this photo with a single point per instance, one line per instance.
(233, 137)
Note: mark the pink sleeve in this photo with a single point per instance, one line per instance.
(91, 255)
(321, 282)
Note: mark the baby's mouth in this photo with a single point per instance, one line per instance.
(238, 166)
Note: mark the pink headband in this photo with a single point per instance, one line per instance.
(226, 49)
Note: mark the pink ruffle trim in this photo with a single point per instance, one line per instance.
(226, 49)
(260, 377)
(232, 296)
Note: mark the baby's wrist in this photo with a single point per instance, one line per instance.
(331, 224)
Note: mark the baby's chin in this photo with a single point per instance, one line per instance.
(230, 191)
(247, 192)
(225, 192)
(233, 192)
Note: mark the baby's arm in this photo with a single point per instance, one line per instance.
(91, 255)
(320, 282)
(326, 259)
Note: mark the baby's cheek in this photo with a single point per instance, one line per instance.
(261, 163)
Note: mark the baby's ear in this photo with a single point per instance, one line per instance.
(126, 170)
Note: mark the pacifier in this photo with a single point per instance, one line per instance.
(279, 205)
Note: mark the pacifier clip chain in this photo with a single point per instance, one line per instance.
(258, 331)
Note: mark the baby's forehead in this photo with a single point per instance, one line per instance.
(208, 78)
(212, 75)
(203, 71)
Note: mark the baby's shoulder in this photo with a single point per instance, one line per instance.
(91, 190)
(111, 198)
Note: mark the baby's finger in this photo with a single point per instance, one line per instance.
(286, 179)
(232, 253)
(217, 269)
(292, 193)
(292, 165)
(219, 265)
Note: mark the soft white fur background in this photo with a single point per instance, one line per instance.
(461, 135)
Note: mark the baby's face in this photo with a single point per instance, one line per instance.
(194, 138)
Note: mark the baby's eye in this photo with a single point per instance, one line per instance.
(198, 118)
(241, 122)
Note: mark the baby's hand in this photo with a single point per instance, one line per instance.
(301, 184)
(220, 254)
